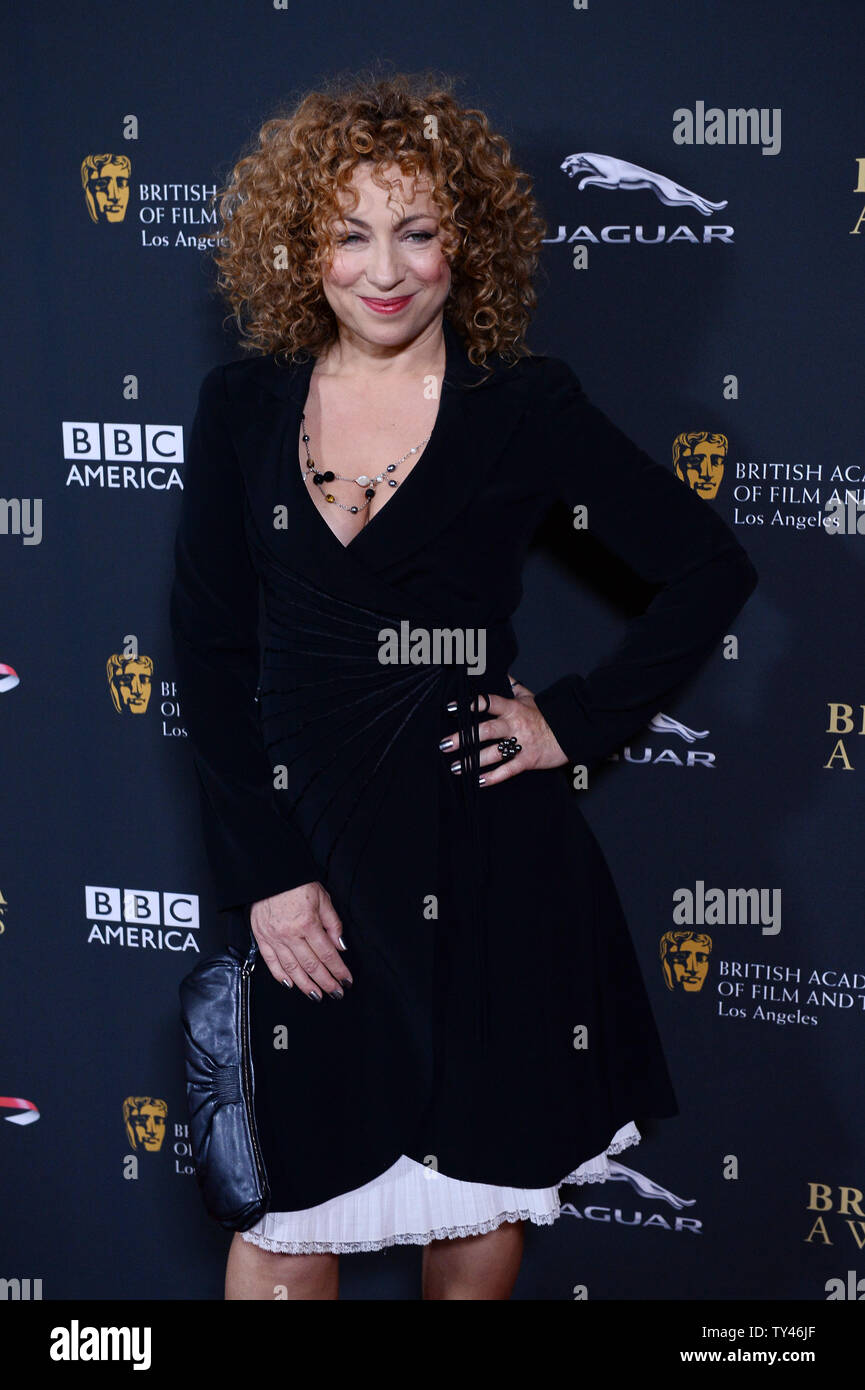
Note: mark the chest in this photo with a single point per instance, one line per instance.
(360, 447)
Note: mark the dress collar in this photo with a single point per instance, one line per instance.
(291, 379)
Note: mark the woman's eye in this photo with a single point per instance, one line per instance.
(355, 236)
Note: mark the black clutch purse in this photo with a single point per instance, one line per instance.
(214, 999)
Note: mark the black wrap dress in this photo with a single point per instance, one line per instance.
(482, 924)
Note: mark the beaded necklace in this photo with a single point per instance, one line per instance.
(369, 484)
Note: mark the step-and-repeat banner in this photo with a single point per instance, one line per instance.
(701, 171)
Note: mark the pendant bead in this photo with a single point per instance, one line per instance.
(329, 497)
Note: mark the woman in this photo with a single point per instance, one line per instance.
(384, 804)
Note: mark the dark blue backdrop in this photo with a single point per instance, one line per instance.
(752, 332)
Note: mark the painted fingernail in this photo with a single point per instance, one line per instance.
(455, 767)
(336, 994)
(314, 994)
(446, 744)
(289, 983)
(342, 943)
(348, 983)
(452, 707)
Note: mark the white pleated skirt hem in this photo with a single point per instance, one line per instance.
(411, 1204)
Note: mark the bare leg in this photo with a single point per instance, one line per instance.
(255, 1273)
(474, 1267)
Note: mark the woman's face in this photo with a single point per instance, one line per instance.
(388, 278)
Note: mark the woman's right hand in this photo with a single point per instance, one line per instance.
(298, 935)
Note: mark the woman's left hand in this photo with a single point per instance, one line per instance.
(519, 719)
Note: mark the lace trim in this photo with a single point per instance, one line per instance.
(358, 1247)
(615, 1148)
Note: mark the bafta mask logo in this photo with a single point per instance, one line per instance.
(144, 1118)
(105, 180)
(130, 680)
(685, 960)
(698, 459)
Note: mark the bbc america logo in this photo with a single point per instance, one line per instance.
(135, 917)
(122, 456)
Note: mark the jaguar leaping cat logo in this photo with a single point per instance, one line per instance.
(666, 724)
(646, 1187)
(605, 171)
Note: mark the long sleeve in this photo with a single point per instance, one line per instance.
(253, 849)
(670, 538)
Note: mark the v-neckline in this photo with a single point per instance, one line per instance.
(309, 367)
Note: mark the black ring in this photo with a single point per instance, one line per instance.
(508, 748)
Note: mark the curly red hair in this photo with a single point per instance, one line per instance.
(281, 196)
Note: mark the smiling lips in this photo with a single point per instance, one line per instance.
(388, 306)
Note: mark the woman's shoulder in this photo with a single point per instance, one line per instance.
(539, 374)
(242, 379)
